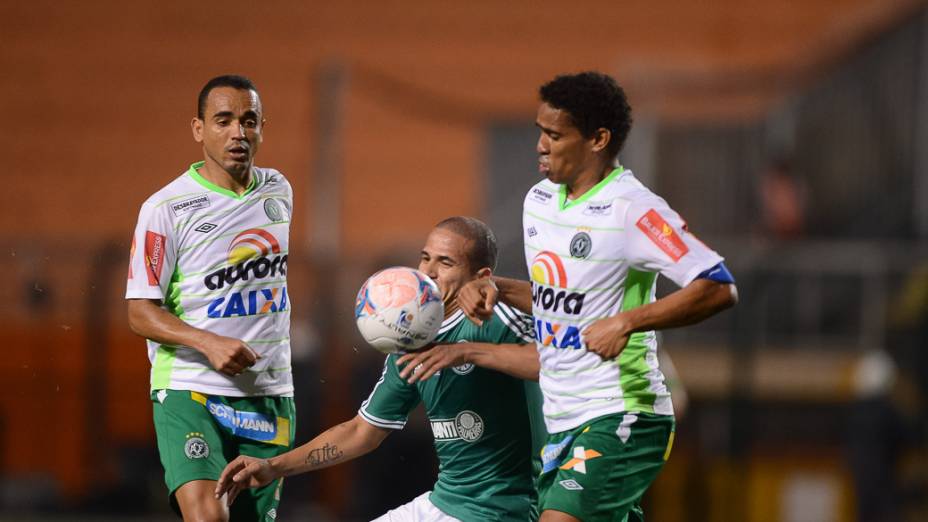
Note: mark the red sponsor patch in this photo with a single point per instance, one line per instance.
(131, 256)
(154, 256)
(663, 235)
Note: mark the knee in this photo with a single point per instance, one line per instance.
(208, 510)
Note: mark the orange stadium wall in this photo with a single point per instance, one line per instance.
(98, 98)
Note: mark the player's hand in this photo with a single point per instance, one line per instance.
(422, 364)
(242, 473)
(228, 355)
(477, 299)
(607, 337)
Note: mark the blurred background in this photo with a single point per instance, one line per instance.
(793, 137)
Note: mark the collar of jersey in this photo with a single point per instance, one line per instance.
(216, 188)
(563, 203)
(451, 321)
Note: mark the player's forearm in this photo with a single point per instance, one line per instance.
(697, 301)
(517, 360)
(515, 292)
(149, 320)
(340, 443)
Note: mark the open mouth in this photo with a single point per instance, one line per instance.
(238, 152)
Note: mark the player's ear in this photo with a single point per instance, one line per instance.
(196, 126)
(601, 139)
(484, 272)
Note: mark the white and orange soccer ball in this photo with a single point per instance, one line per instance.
(399, 309)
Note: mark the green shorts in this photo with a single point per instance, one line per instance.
(199, 434)
(599, 471)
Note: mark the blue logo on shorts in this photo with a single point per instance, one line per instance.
(246, 424)
(551, 454)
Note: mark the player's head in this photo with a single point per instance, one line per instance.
(459, 249)
(584, 119)
(229, 122)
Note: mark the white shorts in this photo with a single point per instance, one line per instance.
(420, 509)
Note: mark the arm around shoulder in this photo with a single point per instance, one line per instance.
(515, 292)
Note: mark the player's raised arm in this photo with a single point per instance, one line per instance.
(338, 444)
(515, 292)
(477, 297)
(226, 354)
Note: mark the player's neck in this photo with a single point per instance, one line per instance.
(450, 308)
(586, 181)
(234, 182)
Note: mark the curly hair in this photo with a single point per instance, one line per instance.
(594, 101)
(229, 80)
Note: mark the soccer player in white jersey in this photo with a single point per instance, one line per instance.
(207, 287)
(595, 241)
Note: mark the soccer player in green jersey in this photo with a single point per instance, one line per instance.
(207, 287)
(595, 240)
(486, 423)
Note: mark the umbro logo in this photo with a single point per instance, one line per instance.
(206, 227)
(532, 232)
(570, 484)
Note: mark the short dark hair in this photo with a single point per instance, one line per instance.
(227, 80)
(594, 100)
(483, 251)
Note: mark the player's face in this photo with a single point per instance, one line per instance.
(563, 153)
(230, 130)
(444, 259)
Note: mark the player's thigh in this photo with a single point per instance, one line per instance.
(259, 503)
(600, 471)
(190, 444)
(265, 429)
(420, 509)
(197, 502)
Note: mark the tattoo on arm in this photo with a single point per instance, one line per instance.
(325, 455)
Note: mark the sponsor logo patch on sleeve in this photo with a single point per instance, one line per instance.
(131, 257)
(662, 234)
(154, 256)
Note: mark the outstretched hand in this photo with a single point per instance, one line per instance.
(477, 299)
(243, 472)
(422, 364)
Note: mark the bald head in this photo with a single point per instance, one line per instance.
(482, 251)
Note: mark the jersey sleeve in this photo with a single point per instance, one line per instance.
(392, 399)
(517, 327)
(288, 202)
(152, 256)
(658, 241)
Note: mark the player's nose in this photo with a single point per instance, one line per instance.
(542, 146)
(428, 268)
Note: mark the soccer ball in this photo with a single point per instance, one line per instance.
(399, 309)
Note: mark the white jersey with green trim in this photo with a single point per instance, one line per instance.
(589, 259)
(218, 261)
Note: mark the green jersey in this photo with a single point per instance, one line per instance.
(487, 425)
